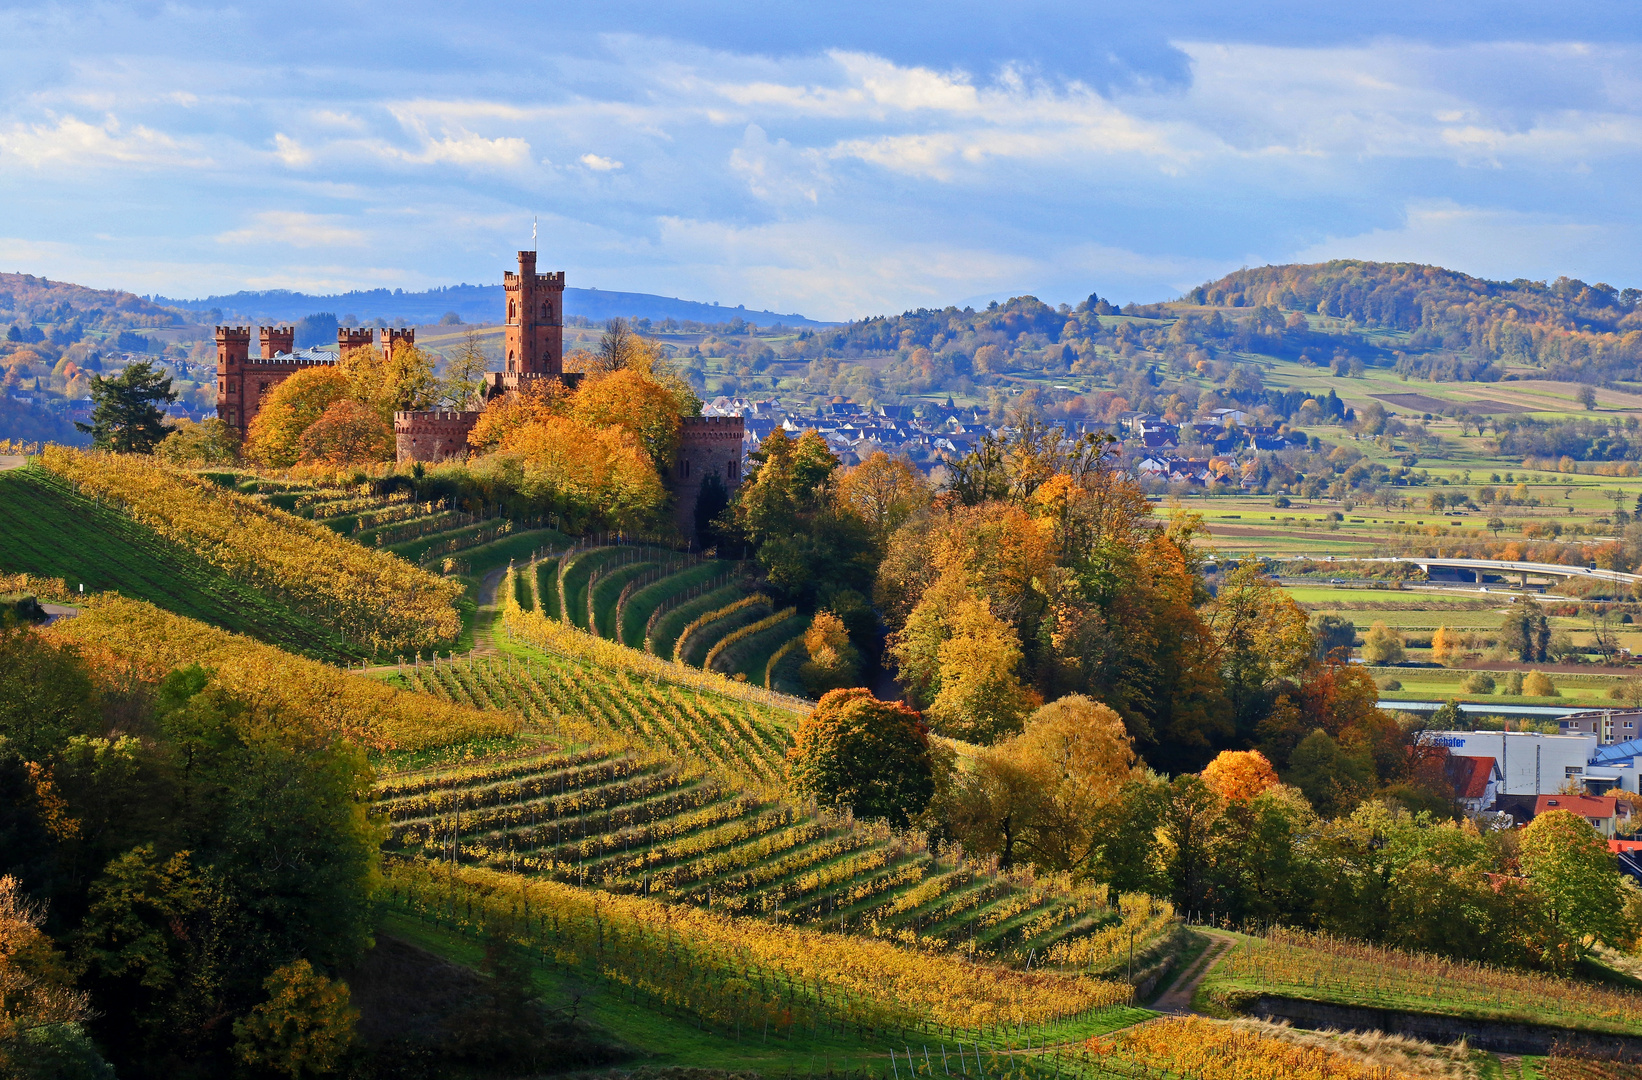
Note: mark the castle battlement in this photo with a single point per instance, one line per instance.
(290, 360)
(348, 337)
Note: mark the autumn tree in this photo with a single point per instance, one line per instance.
(1260, 635)
(585, 474)
(348, 433)
(303, 1028)
(537, 402)
(209, 442)
(289, 409)
(629, 399)
(1383, 645)
(391, 380)
(871, 756)
(1239, 775)
(127, 410)
(884, 492)
(834, 663)
(1445, 646)
(464, 379)
(1570, 864)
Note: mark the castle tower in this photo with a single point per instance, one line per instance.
(533, 343)
(277, 339)
(233, 351)
(391, 337)
(354, 338)
(707, 446)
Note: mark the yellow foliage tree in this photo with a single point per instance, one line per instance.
(291, 408)
(304, 1027)
(1445, 645)
(387, 383)
(1382, 645)
(630, 399)
(834, 662)
(981, 697)
(1239, 775)
(539, 401)
(1539, 684)
(594, 473)
(883, 492)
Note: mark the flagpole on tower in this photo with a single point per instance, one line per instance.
(532, 232)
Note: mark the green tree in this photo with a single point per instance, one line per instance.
(1569, 864)
(1526, 631)
(46, 694)
(869, 755)
(127, 415)
(1332, 779)
(1332, 632)
(1382, 645)
(1587, 397)
(304, 1027)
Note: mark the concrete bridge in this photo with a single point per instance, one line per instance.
(1478, 570)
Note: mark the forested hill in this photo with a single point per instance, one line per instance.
(27, 299)
(1423, 321)
(1591, 332)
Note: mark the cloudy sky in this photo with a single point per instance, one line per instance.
(837, 160)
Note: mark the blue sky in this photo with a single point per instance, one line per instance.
(837, 160)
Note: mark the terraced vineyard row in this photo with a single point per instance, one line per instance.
(683, 801)
(670, 604)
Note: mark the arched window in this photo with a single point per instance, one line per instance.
(511, 311)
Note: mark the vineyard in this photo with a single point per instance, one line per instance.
(673, 605)
(47, 528)
(1324, 968)
(1203, 1049)
(151, 642)
(372, 599)
(684, 800)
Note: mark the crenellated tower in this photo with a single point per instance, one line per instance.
(391, 338)
(277, 339)
(533, 343)
(354, 337)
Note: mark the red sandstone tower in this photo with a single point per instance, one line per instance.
(534, 339)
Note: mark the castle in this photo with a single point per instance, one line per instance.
(533, 344)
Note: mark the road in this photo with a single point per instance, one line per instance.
(1503, 566)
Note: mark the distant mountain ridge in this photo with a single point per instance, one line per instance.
(474, 303)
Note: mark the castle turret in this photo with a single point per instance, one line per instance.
(348, 337)
(708, 446)
(391, 338)
(233, 350)
(277, 339)
(434, 435)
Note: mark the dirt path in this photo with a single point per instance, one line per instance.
(12, 461)
(1177, 999)
(487, 613)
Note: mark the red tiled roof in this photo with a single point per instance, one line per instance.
(1469, 775)
(1587, 806)
(1617, 846)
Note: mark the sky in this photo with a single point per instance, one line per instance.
(837, 160)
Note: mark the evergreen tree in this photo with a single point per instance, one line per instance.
(127, 416)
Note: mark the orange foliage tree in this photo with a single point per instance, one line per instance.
(349, 433)
(289, 409)
(1239, 775)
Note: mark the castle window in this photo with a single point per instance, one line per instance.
(510, 311)
(735, 469)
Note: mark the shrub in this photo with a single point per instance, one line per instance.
(1382, 645)
(1538, 684)
(869, 755)
(1388, 683)
(1513, 683)
(1478, 682)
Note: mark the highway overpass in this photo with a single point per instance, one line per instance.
(1478, 569)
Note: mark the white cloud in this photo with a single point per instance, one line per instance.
(291, 152)
(776, 172)
(72, 141)
(295, 229)
(599, 164)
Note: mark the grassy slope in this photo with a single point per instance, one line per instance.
(47, 528)
(670, 625)
(753, 654)
(645, 601)
(607, 590)
(702, 641)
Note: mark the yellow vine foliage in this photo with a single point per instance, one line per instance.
(371, 597)
(636, 932)
(369, 712)
(1213, 1050)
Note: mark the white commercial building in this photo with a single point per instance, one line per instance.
(1533, 764)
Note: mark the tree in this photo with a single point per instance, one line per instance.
(1587, 397)
(833, 663)
(348, 433)
(1332, 779)
(1538, 684)
(868, 755)
(464, 373)
(1569, 863)
(1383, 645)
(1332, 632)
(588, 475)
(126, 414)
(209, 442)
(630, 399)
(1260, 634)
(1496, 525)
(884, 492)
(304, 1027)
(981, 698)
(40, 1033)
(1445, 646)
(1074, 756)
(392, 381)
(289, 409)
(1526, 631)
(1239, 775)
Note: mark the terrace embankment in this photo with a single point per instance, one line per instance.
(1499, 1036)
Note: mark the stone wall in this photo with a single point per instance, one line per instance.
(432, 436)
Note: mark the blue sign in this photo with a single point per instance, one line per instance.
(1445, 740)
